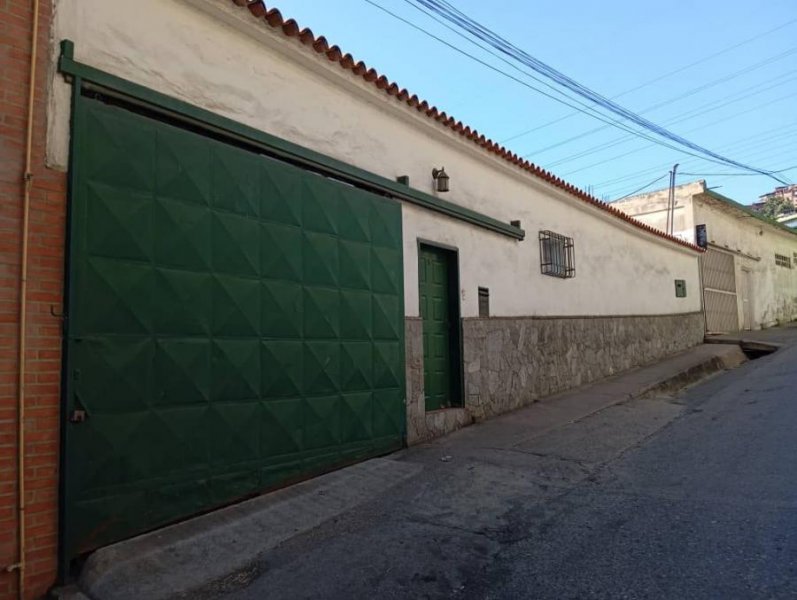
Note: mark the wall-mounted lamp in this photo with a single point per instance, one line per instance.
(441, 177)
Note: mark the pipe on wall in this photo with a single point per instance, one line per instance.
(23, 312)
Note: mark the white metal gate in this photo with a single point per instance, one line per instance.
(719, 284)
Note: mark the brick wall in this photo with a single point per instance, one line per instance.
(45, 282)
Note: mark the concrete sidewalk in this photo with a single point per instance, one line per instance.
(222, 549)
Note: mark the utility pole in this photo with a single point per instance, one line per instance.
(671, 201)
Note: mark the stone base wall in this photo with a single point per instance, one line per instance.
(422, 425)
(511, 362)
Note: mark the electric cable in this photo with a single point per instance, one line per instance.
(457, 17)
(672, 100)
(588, 110)
(742, 144)
(734, 174)
(686, 116)
(703, 126)
(644, 187)
(659, 78)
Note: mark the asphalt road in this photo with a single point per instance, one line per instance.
(693, 496)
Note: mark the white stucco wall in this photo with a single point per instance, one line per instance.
(217, 56)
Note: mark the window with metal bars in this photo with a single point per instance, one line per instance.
(783, 261)
(557, 255)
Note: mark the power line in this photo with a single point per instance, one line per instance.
(644, 187)
(457, 17)
(659, 78)
(676, 98)
(588, 110)
(780, 153)
(703, 126)
(739, 145)
(686, 116)
(744, 143)
(734, 174)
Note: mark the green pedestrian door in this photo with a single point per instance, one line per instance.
(234, 324)
(439, 301)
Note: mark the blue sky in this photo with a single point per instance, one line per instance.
(746, 109)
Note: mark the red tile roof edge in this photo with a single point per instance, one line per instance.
(320, 45)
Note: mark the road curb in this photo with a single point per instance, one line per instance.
(175, 561)
(722, 361)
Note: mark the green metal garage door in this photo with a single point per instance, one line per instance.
(235, 324)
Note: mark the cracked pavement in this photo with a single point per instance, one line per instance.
(690, 496)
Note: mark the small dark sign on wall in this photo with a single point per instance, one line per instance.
(680, 288)
(484, 302)
(701, 236)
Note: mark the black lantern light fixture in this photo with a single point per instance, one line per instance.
(441, 177)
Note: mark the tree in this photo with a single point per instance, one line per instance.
(775, 206)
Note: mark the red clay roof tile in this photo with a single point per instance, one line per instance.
(273, 16)
(291, 28)
(256, 8)
(306, 36)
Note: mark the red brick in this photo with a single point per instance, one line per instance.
(45, 279)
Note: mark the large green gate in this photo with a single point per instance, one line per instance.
(235, 323)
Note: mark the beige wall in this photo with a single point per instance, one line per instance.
(215, 55)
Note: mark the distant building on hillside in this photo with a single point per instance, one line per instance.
(789, 192)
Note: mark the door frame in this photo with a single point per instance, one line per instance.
(455, 306)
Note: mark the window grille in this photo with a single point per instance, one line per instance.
(557, 255)
(783, 261)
